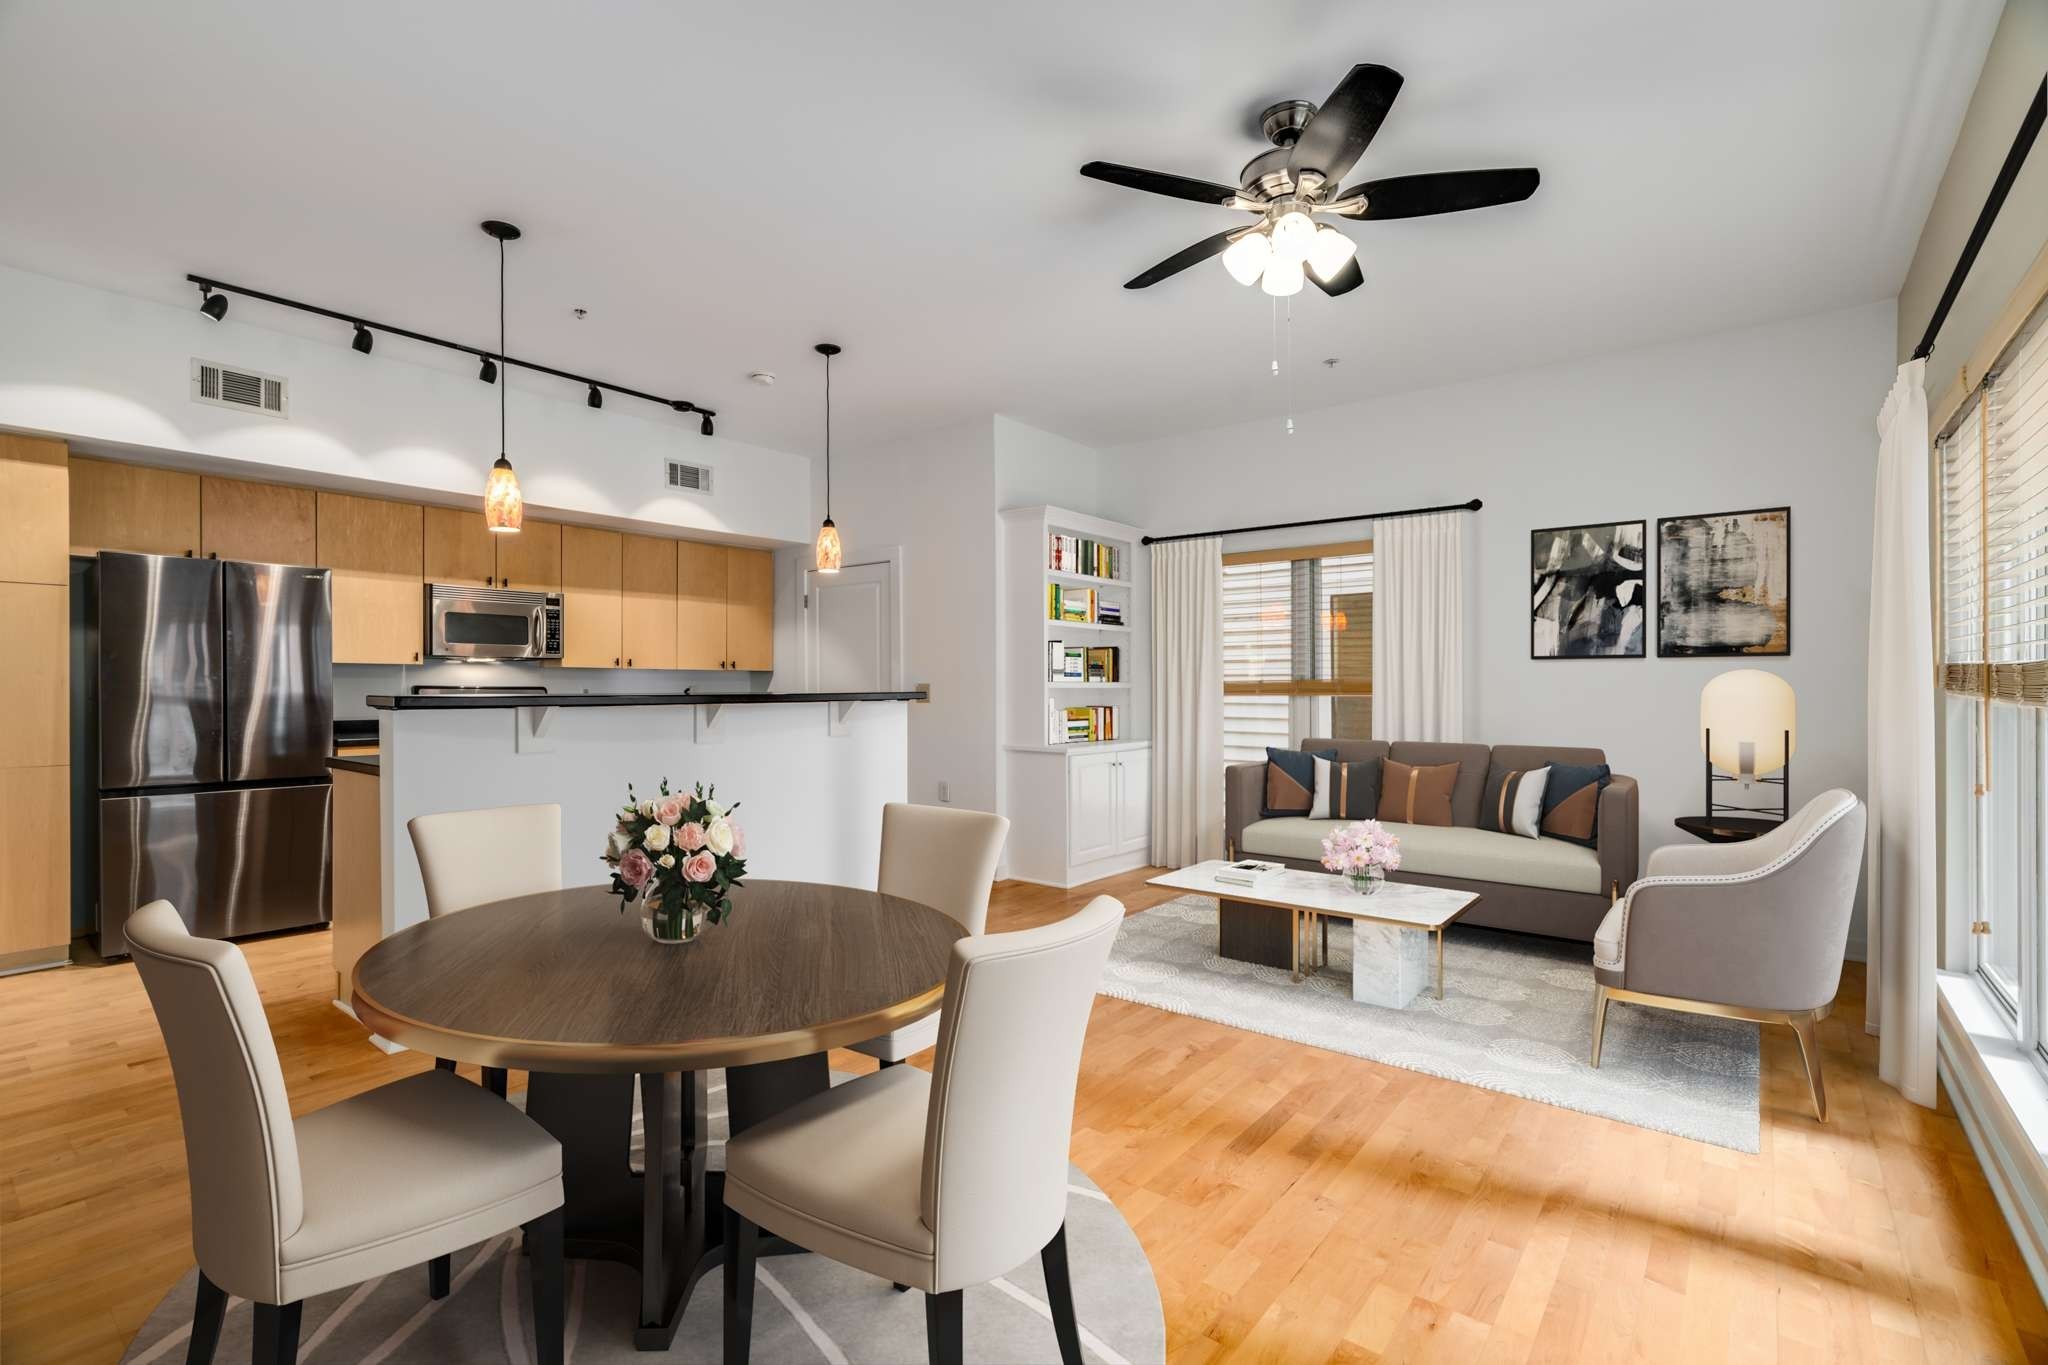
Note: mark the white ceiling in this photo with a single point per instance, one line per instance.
(722, 186)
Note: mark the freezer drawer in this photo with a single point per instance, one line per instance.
(234, 862)
(280, 681)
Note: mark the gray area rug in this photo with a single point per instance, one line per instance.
(806, 1308)
(1517, 1017)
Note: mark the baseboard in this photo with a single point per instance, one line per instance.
(2012, 1163)
(35, 959)
(1856, 950)
(1091, 872)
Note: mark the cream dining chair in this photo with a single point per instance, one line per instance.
(284, 1209)
(474, 857)
(945, 859)
(947, 1180)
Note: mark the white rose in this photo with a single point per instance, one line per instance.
(716, 808)
(647, 810)
(656, 838)
(615, 847)
(666, 860)
(718, 838)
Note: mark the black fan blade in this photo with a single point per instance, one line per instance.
(1159, 182)
(1348, 279)
(1182, 259)
(1344, 124)
(1419, 196)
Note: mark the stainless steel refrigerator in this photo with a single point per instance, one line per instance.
(215, 706)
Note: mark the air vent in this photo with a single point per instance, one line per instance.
(689, 478)
(226, 387)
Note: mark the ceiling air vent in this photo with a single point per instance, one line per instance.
(689, 478)
(226, 387)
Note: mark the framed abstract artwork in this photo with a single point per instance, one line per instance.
(1724, 583)
(1588, 597)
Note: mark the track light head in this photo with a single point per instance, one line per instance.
(488, 372)
(596, 399)
(216, 305)
(364, 341)
(705, 425)
(683, 405)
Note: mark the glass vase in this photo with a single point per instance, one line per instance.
(684, 924)
(1366, 882)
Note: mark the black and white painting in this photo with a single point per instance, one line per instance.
(1724, 583)
(1589, 597)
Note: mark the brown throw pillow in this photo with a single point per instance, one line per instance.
(1417, 796)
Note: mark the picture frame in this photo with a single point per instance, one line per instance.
(1589, 591)
(1724, 584)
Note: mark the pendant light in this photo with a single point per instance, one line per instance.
(504, 507)
(829, 553)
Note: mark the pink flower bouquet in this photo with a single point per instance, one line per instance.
(1363, 854)
(679, 856)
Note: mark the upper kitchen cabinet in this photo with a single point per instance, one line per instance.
(375, 549)
(133, 507)
(460, 548)
(267, 523)
(750, 608)
(34, 491)
(530, 559)
(700, 605)
(648, 573)
(593, 598)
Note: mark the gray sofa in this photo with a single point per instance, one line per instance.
(1540, 886)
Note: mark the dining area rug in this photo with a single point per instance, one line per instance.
(1516, 1017)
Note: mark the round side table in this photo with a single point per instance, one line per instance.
(1726, 829)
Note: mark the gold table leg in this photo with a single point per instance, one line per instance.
(1295, 919)
(1439, 964)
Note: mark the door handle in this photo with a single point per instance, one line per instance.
(629, 663)
(615, 663)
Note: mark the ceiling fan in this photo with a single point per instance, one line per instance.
(1313, 149)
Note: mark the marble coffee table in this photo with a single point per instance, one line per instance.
(1391, 930)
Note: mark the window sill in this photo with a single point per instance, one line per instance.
(2002, 1099)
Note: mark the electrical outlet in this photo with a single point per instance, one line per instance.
(945, 796)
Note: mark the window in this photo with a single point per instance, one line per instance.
(1297, 646)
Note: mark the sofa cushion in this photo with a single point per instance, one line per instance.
(1514, 801)
(1472, 759)
(1443, 851)
(1571, 802)
(1417, 795)
(1358, 791)
(1291, 781)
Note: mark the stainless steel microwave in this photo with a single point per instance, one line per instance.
(492, 623)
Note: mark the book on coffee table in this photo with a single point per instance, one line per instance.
(1249, 872)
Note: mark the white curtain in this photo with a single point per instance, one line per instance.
(1187, 701)
(1899, 869)
(1418, 627)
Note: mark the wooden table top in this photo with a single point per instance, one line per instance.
(563, 981)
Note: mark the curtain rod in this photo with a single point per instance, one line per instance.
(2030, 126)
(1472, 506)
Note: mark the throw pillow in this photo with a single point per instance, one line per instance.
(1571, 802)
(1326, 784)
(1291, 781)
(1417, 796)
(1514, 801)
(1358, 791)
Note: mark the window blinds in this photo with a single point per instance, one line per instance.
(1289, 621)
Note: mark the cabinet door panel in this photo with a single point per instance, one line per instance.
(649, 576)
(1134, 801)
(1091, 807)
(592, 598)
(266, 523)
(35, 859)
(700, 605)
(459, 549)
(375, 551)
(133, 507)
(35, 490)
(530, 559)
(750, 608)
(35, 682)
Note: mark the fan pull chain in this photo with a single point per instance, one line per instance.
(1290, 366)
(1275, 302)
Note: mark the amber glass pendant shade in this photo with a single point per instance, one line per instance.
(829, 554)
(504, 507)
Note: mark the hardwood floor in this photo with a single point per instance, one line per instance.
(1297, 1205)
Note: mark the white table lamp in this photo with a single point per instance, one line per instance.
(1749, 727)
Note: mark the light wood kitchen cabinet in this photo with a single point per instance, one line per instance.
(358, 874)
(700, 605)
(648, 574)
(593, 598)
(35, 495)
(35, 684)
(265, 523)
(530, 559)
(750, 608)
(459, 548)
(375, 551)
(35, 865)
(133, 507)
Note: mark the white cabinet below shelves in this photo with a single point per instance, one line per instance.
(1133, 800)
(1091, 807)
(1079, 813)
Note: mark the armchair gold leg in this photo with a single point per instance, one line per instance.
(1601, 997)
(1806, 1029)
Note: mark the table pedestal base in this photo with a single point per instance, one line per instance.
(1389, 964)
(1255, 933)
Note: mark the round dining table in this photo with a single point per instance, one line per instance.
(565, 986)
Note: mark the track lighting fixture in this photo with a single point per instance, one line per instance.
(215, 306)
(705, 425)
(489, 371)
(364, 341)
(596, 399)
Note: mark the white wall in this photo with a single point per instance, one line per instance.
(110, 373)
(1036, 468)
(1781, 414)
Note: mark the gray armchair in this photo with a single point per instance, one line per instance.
(1746, 931)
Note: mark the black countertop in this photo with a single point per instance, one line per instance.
(353, 763)
(503, 702)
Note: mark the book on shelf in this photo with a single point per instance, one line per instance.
(1080, 555)
(1080, 724)
(1065, 662)
(1249, 872)
(1102, 663)
(1081, 606)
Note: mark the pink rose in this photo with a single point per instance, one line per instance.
(635, 868)
(701, 867)
(739, 842)
(690, 837)
(670, 810)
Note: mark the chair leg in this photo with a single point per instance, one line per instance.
(544, 1240)
(1059, 1296)
(437, 1276)
(494, 1080)
(1601, 999)
(740, 1239)
(277, 1334)
(207, 1311)
(444, 1063)
(944, 1328)
(1807, 1031)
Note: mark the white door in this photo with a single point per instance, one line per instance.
(1134, 801)
(850, 629)
(1091, 807)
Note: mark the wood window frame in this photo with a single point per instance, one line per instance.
(1303, 687)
